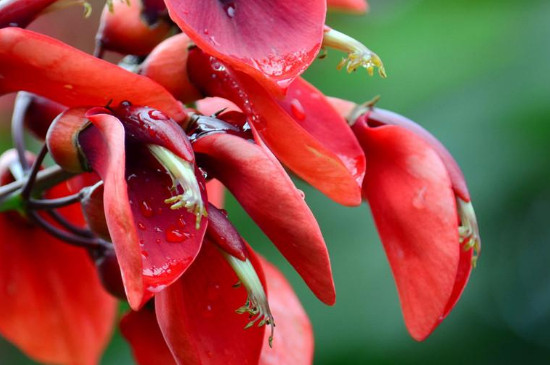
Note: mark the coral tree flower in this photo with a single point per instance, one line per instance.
(302, 129)
(53, 306)
(273, 41)
(423, 213)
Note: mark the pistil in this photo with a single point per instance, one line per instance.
(183, 174)
(358, 54)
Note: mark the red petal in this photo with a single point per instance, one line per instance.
(142, 331)
(293, 343)
(272, 40)
(124, 30)
(167, 65)
(42, 65)
(197, 314)
(413, 204)
(216, 193)
(154, 244)
(268, 195)
(351, 6)
(53, 306)
(20, 13)
(303, 130)
(387, 117)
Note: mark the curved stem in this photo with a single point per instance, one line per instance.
(69, 226)
(55, 203)
(44, 179)
(17, 127)
(27, 188)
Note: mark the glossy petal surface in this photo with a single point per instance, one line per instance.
(154, 244)
(20, 13)
(197, 314)
(268, 195)
(302, 129)
(272, 40)
(47, 67)
(413, 204)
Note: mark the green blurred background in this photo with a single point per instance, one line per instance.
(476, 74)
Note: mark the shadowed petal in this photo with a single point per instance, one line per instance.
(47, 67)
(197, 314)
(53, 306)
(154, 244)
(410, 193)
(142, 332)
(268, 195)
(273, 41)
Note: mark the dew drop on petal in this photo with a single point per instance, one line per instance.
(146, 209)
(174, 235)
(297, 110)
(141, 226)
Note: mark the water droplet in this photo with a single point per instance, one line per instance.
(218, 66)
(157, 241)
(297, 109)
(206, 31)
(146, 209)
(157, 229)
(144, 253)
(141, 226)
(174, 235)
(207, 311)
(229, 9)
(181, 221)
(302, 194)
(419, 200)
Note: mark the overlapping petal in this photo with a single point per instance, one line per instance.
(47, 67)
(268, 195)
(154, 244)
(53, 306)
(197, 314)
(20, 13)
(410, 193)
(302, 129)
(273, 41)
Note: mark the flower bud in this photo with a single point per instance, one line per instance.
(62, 140)
(123, 30)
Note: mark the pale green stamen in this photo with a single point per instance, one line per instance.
(358, 54)
(182, 174)
(468, 230)
(256, 305)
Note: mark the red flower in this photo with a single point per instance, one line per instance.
(53, 306)
(422, 209)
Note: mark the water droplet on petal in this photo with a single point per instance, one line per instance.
(297, 109)
(229, 9)
(174, 235)
(302, 194)
(141, 226)
(146, 209)
(206, 31)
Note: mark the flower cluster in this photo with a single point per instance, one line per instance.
(209, 97)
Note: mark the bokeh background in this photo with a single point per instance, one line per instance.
(476, 73)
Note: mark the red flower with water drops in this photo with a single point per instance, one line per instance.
(423, 213)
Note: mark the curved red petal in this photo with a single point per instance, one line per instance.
(142, 332)
(413, 204)
(45, 66)
(53, 306)
(104, 149)
(20, 13)
(293, 343)
(154, 244)
(387, 117)
(272, 40)
(166, 65)
(123, 29)
(268, 195)
(350, 6)
(302, 129)
(197, 314)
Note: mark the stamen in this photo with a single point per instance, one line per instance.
(358, 54)
(182, 174)
(256, 304)
(468, 230)
(62, 4)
